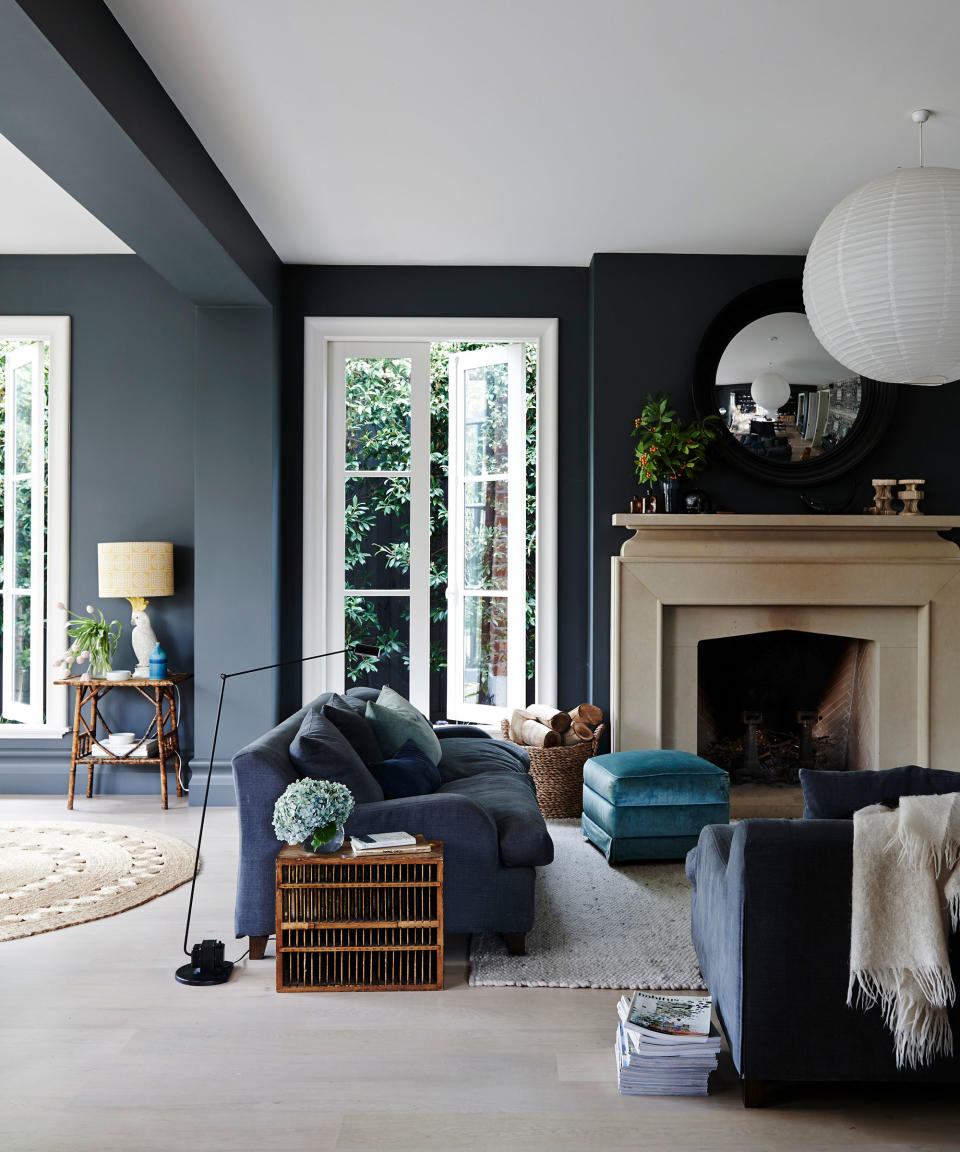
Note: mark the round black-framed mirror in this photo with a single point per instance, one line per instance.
(822, 430)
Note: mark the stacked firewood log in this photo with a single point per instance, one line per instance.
(543, 726)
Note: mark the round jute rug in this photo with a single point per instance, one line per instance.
(54, 875)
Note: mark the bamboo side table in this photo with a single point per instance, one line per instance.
(163, 727)
(359, 923)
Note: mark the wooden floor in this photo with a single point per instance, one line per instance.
(760, 800)
(101, 1049)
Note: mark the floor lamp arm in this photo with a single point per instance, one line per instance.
(203, 814)
(207, 965)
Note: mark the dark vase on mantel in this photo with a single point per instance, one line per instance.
(671, 495)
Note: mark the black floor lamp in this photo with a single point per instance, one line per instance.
(207, 965)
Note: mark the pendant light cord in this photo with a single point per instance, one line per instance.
(920, 117)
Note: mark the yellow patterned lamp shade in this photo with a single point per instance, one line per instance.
(135, 570)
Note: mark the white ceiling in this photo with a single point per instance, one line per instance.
(784, 343)
(37, 217)
(542, 131)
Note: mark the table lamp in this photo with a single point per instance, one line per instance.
(139, 572)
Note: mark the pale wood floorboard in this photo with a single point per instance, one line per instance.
(101, 1049)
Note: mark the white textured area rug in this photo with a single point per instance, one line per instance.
(53, 875)
(597, 926)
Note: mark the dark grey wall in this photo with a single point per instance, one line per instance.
(422, 291)
(648, 316)
(131, 464)
(236, 516)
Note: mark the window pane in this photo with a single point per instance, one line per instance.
(382, 620)
(23, 378)
(21, 650)
(485, 420)
(485, 534)
(22, 533)
(377, 533)
(485, 650)
(378, 415)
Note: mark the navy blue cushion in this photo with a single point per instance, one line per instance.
(356, 728)
(408, 772)
(837, 795)
(319, 750)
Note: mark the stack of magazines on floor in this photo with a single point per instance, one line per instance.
(666, 1045)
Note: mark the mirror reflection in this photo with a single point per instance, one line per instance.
(781, 395)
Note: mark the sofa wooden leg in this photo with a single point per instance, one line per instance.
(516, 943)
(258, 945)
(754, 1093)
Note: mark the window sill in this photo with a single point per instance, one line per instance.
(32, 731)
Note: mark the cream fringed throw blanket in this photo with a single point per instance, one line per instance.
(906, 899)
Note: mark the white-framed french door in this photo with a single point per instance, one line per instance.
(486, 589)
(357, 479)
(325, 474)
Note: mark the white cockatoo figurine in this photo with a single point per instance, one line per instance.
(142, 638)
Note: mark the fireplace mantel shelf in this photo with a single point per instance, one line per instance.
(715, 521)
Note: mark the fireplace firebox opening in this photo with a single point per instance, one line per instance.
(771, 703)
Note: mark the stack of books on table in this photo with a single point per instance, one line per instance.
(388, 844)
(666, 1045)
(119, 746)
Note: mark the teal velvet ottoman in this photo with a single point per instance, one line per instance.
(651, 805)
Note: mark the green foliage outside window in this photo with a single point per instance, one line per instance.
(23, 511)
(377, 543)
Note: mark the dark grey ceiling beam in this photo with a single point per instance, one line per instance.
(78, 99)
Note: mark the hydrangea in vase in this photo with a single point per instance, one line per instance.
(668, 451)
(316, 808)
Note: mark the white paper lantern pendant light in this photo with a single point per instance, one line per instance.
(770, 391)
(881, 284)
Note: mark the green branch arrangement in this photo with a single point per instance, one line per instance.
(667, 449)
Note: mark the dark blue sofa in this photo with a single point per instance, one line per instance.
(771, 928)
(485, 812)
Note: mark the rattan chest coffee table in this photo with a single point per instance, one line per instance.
(359, 923)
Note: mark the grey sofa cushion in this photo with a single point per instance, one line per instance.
(396, 720)
(510, 798)
(470, 756)
(356, 728)
(321, 751)
(837, 795)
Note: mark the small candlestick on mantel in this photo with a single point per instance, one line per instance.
(911, 494)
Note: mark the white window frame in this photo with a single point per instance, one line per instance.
(54, 330)
(319, 332)
(458, 708)
(418, 589)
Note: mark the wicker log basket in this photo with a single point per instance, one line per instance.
(558, 773)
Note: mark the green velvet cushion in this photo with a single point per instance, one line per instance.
(656, 776)
(395, 721)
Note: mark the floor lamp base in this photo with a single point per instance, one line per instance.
(207, 966)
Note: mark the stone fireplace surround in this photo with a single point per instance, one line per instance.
(889, 580)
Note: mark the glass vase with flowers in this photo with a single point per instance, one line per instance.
(91, 639)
